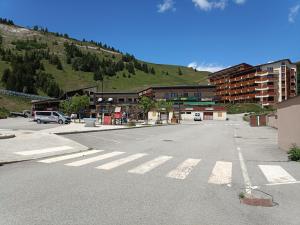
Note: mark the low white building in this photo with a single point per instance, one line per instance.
(189, 113)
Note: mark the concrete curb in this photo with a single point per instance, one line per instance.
(125, 128)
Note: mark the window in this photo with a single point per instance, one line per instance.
(43, 113)
(55, 114)
(121, 100)
(185, 94)
(129, 99)
(270, 69)
(173, 95)
(189, 113)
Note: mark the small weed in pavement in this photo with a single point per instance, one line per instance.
(241, 195)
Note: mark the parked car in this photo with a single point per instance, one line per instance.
(51, 117)
(197, 117)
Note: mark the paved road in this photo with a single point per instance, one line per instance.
(186, 174)
(20, 123)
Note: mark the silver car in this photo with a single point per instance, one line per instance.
(51, 117)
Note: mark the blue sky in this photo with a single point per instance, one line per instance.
(209, 34)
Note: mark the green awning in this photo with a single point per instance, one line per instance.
(199, 103)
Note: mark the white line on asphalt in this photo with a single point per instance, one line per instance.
(119, 162)
(221, 173)
(94, 159)
(184, 169)
(45, 150)
(150, 165)
(235, 133)
(71, 156)
(291, 182)
(246, 177)
(276, 174)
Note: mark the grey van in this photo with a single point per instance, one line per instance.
(51, 117)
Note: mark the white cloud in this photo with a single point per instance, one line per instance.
(211, 67)
(293, 13)
(207, 5)
(165, 6)
(240, 2)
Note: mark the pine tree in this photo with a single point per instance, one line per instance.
(5, 76)
(152, 70)
(179, 71)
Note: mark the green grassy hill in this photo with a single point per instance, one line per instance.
(69, 79)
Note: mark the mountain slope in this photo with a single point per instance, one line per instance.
(16, 39)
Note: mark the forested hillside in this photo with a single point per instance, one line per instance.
(38, 61)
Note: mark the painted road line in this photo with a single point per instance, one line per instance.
(221, 174)
(150, 165)
(119, 162)
(94, 159)
(44, 150)
(184, 169)
(276, 174)
(248, 185)
(71, 156)
(292, 182)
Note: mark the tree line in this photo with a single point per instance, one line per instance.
(6, 21)
(90, 62)
(27, 73)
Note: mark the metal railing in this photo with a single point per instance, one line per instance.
(24, 95)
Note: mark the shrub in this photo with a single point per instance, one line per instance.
(4, 113)
(294, 153)
(131, 124)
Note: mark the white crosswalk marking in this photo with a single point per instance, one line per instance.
(94, 159)
(44, 150)
(276, 174)
(71, 156)
(150, 165)
(184, 169)
(119, 162)
(221, 173)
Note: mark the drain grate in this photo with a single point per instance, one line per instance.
(167, 140)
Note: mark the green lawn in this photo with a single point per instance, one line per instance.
(14, 104)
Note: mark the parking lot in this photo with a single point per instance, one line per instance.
(178, 175)
(20, 123)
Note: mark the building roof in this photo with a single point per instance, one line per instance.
(180, 87)
(45, 101)
(290, 102)
(264, 64)
(116, 93)
(232, 69)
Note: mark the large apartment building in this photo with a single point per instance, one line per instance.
(266, 84)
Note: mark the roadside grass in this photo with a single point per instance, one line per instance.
(239, 108)
(294, 153)
(14, 104)
(4, 113)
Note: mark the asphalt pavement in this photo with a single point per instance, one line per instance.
(186, 174)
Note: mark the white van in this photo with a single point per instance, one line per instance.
(197, 116)
(51, 117)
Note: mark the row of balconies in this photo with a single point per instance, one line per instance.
(240, 97)
(226, 80)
